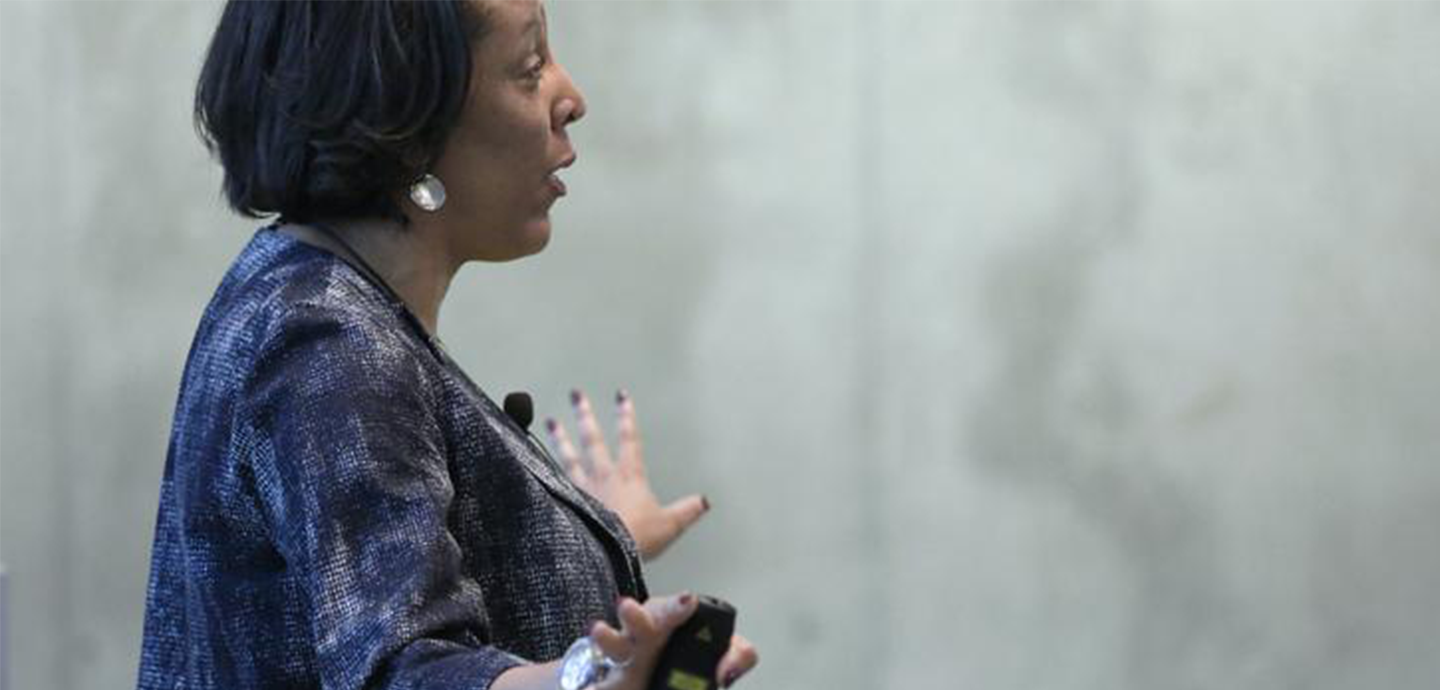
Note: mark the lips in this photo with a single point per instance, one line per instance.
(553, 178)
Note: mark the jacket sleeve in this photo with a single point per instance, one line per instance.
(350, 463)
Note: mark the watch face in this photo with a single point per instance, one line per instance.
(578, 668)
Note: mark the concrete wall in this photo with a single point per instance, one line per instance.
(1017, 345)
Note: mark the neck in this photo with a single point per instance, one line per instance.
(412, 261)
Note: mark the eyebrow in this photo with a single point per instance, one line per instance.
(532, 26)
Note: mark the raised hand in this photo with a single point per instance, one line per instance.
(619, 480)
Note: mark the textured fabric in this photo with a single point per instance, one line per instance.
(343, 508)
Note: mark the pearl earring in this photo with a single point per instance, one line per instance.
(428, 193)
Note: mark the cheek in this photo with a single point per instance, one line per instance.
(476, 167)
(522, 141)
(506, 150)
(511, 121)
(496, 160)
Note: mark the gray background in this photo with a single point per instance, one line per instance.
(1017, 345)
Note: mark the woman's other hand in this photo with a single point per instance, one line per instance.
(619, 481)
(644, 629)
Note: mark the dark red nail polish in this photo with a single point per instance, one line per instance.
(551, 424)
(705, 504)
(574, 396)
(730, 679)
(686, 598)
(621, 396)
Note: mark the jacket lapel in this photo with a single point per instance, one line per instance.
(528, 451)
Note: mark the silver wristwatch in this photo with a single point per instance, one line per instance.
(584, 665)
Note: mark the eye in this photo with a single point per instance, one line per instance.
(535, 66)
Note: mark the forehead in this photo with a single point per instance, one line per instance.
(513, 19)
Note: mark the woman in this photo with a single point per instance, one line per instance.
(342, 507)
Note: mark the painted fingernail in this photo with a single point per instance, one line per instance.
(686, 598)
(551, 424)
(705, 504)
(574, 396)
(730, 678)
(621, 396)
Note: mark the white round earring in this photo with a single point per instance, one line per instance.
(428, 193)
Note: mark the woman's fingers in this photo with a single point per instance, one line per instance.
(615, 644)
(591, 438)
(644, 630)
(738, 660)
(630, 462)
(636, 621)
(654, 620)
(687, 510)
(619, 480)
(590, 464)
(574, 464)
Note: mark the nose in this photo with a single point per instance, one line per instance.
(570, 104)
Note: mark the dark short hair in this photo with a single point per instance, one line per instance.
(324, 108)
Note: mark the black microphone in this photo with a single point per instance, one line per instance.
(521, 409)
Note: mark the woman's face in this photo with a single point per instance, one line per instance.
(499, 165)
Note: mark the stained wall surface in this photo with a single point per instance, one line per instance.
(1017, 345)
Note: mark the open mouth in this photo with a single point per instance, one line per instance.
(556, 184)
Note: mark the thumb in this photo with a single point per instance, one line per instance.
(687, 510)
(669, 612)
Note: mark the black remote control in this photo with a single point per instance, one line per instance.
(694, 650)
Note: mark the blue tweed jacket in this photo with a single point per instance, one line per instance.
(343, 508)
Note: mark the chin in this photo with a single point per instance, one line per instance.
(539, 244)
(529, 241)
(537, 235)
